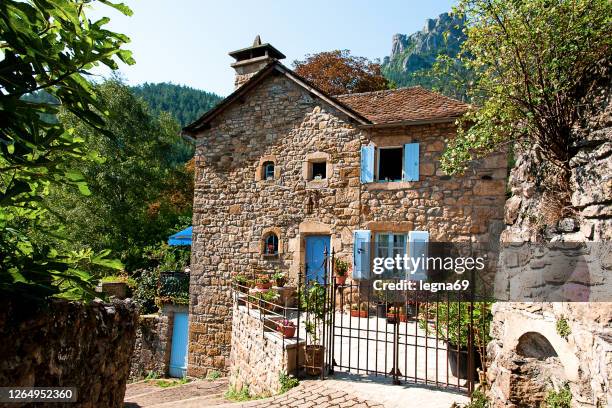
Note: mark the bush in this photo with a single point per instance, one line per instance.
(563, 328)
(559, 399)
(287, 382)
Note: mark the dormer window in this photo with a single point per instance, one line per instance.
(268, 170)
(271, 244)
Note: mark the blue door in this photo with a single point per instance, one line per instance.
(178, 355)
(316, 245)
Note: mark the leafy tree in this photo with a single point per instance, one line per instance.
(338, 72)
(533, 61)
(142, 190)
(46, 46)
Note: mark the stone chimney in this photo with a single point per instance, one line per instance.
(252, 59)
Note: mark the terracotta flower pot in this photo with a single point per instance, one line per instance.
(340, 280)
(264, 285)
(286, 331)
(359, 313)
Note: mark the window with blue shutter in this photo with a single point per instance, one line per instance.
(417, 247)
(367, 164)
(411, 162)
(361, 254)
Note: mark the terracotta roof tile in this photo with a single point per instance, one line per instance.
(403, 104)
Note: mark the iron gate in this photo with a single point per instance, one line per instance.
(408, 336)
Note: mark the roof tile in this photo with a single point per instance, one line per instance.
(403, 105)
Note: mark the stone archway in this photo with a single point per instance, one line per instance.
(534, 345)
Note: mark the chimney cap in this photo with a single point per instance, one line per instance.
(256, 50)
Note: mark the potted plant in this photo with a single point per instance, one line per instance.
(286, 328)
(280, 278)
(340, 270)
(455, 330)
(267, 300)
(263, 282)
(312, 299)
(242, 283)
(359, 310)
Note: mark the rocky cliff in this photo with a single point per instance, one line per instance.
(418, 51)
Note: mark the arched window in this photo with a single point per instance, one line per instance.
(271, 244)
(268, 170)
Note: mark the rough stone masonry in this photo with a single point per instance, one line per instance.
(275, 116)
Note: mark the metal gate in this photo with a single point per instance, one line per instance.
(408, 336)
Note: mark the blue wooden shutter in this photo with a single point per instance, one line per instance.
(367, 164)
(411, 162)
(417, 245)
(361, 254)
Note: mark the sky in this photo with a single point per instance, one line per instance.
(186, 41)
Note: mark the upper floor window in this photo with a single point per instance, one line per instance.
(268, 170)
(319, 170)
(390, 164)
(271, 244)
(398, 163)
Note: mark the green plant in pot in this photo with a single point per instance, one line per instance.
(312, 299)
(263, 282)
(453, 325)
(341, 271)
(359, 310)
(280, 278)
(242, 283)
(268, 300)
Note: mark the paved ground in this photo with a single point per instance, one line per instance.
(146, 394)
(344, 391)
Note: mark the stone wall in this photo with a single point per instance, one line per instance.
(258, 358)
(87, 346)
(153, 343)
(151, 349)
(583, 358)
(234, 208)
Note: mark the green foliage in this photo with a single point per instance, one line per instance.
(457, 327)
(479, 400)
(287, 382)
(532, 62)
(312, 301)
(131, 282)
(213, 375)
(142, 189)
(162, 258)
(558, 399)
(47, 46)
(563, 328)
(240, 395)
(340, 267)
(184, 103)
(169, 383)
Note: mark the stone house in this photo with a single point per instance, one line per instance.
(284, 171)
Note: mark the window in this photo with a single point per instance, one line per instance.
(271, 244)
(268, 170)
(390, 162)
(319, 170)
(388, 245)
(398, 163)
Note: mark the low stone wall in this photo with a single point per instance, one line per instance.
(154, 342)
(151, 346)
(68, 344)
(258, 358)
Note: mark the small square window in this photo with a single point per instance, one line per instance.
(319, 170)
(268, 171)
(390, 163)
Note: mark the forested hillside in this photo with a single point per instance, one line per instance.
(186, 104)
